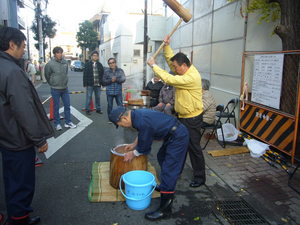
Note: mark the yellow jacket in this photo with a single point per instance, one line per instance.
(188, 92)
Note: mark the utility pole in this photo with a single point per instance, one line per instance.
(28, 47)
(40, 30)
(145, 44)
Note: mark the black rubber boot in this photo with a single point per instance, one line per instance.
(164, 210)
(25, 221)
(17, 222)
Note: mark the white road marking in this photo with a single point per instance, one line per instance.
(56, 143)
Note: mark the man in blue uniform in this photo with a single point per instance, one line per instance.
(153, 125)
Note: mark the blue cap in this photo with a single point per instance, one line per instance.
(115, 115)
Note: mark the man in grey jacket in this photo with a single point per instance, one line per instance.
(24, 126)
(56, 73)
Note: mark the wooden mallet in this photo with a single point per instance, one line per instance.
(183, 13)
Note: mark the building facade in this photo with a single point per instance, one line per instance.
(9, 13)
(215, 39)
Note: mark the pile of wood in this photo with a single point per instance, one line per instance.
(138, 101)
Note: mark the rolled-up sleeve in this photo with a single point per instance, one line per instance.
(145, 139)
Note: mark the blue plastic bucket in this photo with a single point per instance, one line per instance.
(139, 186)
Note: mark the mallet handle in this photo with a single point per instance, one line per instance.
(162, 44)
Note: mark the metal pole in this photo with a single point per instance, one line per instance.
(145, 44)
(40, 30)
(28, 48)
(50, 53)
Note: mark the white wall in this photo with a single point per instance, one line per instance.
(215, 36)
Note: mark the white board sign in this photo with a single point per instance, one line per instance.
(267, 79)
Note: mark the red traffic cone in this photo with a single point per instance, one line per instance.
(128, 96)
(92, 107)
(51, 116)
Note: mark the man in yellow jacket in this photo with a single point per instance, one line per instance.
(188, 103)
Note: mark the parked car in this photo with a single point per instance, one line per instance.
(77, 65)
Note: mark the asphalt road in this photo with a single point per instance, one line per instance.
(61, 196)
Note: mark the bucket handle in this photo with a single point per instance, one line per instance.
(133, 199)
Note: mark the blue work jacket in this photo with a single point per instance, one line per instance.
(151, 125)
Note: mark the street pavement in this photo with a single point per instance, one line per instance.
(61, 196)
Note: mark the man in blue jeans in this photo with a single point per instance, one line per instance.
(113, 78)
(56, 73)
(92, 80)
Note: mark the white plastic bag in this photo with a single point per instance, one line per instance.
(230, 132)
(257, 148)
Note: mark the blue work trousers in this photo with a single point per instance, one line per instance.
(19, 181)
(64, 95)
(110, 99)
(171, 157)
(89, 94)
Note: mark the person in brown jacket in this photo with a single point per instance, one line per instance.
(209, 104)
(166, 100)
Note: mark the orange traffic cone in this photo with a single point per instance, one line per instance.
(51, 116)
(128, 96)
(92, 107)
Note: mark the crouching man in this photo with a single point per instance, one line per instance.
(153, 125)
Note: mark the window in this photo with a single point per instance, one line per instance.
(136, 52)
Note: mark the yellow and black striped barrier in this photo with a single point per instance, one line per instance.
(271, 127)
(76, 92)
(275, 160)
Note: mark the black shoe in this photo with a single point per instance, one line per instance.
(34, 220)
(195, 184)
(165, 209)
(157, 188)
(99, 111)
(87, 112)
(26, 221)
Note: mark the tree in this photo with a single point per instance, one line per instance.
(48, 30)
(87, 37)
(286, 13)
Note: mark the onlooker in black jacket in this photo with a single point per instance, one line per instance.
(92, 80)
(154, 85)
(24, 126)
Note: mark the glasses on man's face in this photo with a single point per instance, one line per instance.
(121, 116)
(111, 63)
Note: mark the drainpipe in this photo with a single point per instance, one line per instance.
(145, 44)
(246, 26)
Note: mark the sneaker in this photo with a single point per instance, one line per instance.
(87, 112)
(58, 127)
(99, 111)
(109, 122)
(70, 125)
(38, 162)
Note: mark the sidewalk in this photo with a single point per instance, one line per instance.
(263, 187)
